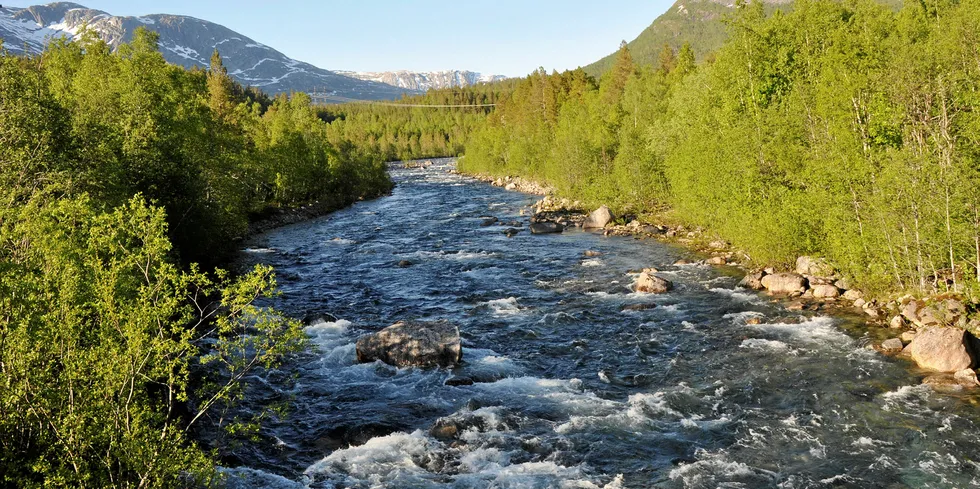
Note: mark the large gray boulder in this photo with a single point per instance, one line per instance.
(546, 227)
(413, 344)
(942, 349)
(598, 218)
(784, 283)
(652, 284)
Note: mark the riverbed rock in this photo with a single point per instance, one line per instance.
(546, 227)
(598, 218)
(753, 281)
(892, 345)
(852, 294)
(825, 291)
(591, 253)
(818, 267)
(942, 349)
(784, 283)
(511, 232)
(652, 284)
(716, 260)
(488, 221)
(897, 322)
(413, 344)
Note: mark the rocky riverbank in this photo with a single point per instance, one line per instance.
(935, 333)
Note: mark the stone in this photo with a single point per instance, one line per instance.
(808, 265)
(488, 221)
(871, 310)
(591, 253)
(753, 281)
(892, 345)
(967, 376)
(784, 283)
(718, 244)
(897, 322)
(413, 344)
(825, 291)
(652, 284)
(941, 349)
(511, 186)
(405, 263)
(795, 306)
(908, 336)
(546, 227)
(638, 307)
(852, 294)
(843, 283)
(682, 262)
(444, 429)
(598, 218)
(510, 232)
(716, 260)
(860, 303)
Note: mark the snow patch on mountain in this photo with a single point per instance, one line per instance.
(425, 80)
(185, 41)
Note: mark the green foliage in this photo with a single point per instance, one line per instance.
(844, 129)
(392, 132)
(698, 23)
(100, 332)
(117, 171)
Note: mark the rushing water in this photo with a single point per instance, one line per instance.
(573, 388)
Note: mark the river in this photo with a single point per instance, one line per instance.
(574, 385)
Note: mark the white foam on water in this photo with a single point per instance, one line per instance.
(503, 307)
(247, 478)
(713, 470)
(818, 330)
(382, 458)
(769, 345)
(564, 396)
(593, 262)
(332, 340)
(738, 295)
(259, 250)
(906, 396)
(341, 241)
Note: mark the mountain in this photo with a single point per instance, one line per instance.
(698, 22)
(189, 42)
(424, 81)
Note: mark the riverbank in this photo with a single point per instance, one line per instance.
(946, 349)
(561, 355)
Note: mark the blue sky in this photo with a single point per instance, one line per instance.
(509, 37)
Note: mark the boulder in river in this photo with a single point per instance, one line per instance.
(598, 218)
(716, 260)
(825, 291)
(942, 349)
(753, 281)
(413, 344)
(546, 227)
(784, 283)
(650, 283)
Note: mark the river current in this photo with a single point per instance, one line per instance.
(569, 379)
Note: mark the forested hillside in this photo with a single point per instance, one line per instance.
(700, 23)
(433, 125)
(117, 171)
(842, 129)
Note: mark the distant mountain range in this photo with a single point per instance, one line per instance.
(188, 41)
(698, 22)
(424, 81)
